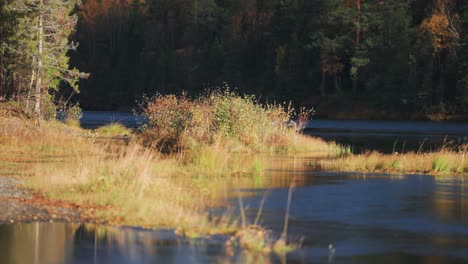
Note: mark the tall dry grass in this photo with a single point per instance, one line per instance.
(126, 184)
(138, 186)
(22, 142)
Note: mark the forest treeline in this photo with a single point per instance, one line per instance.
(408, 55)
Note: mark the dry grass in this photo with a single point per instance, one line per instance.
(21, 140)
(133, 187)
(138, 187)
(127, 184)
(444, 161)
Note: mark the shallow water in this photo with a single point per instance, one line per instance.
(342, 218)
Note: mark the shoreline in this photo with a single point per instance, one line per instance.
(19, 205)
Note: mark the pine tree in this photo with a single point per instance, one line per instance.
(41, 40)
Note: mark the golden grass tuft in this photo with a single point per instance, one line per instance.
(444, 161)
(113, 130)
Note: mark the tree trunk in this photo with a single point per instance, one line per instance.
(337, 84)
(358, 40)
(2, 83)
(38, 99)
(322, 84)
(31, 84)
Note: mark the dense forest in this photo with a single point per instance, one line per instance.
(407, 55)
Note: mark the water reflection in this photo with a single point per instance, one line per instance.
(35, 243)
(72, 243)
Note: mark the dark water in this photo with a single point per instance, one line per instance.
(364, 218)
(94, 119)
(390, 136)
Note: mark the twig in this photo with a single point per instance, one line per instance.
(241, 207)
(394, 145)
(260, 210)
(286, 217)
(420, 146)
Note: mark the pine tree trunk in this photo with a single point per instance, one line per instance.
(38, 99)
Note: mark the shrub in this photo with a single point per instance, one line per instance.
(70, 114)
(49, 109)
(237, 122)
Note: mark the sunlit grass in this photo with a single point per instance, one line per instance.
(444, 161)
(20, 137)
(113, 129)
(137, 187)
